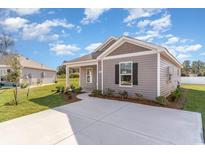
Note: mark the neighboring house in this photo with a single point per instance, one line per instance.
(31, 72)
(128, 64)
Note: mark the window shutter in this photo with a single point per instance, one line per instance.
(117, 74)
(135, 73)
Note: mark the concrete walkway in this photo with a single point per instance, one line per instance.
(101, 121)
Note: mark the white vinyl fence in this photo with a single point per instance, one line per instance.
(193, 80)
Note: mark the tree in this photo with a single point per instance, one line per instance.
(186, 68)
(61, 70)
(14, 75)
(6, 42)
(198, 67)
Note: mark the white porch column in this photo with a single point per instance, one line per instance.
(67, 76)
(79, 76)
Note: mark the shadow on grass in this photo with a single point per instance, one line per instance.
(50, 101)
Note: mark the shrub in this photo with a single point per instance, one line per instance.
(96, 92)
(70, 95)
(161, 100)
(78, 90)
(56, 81)
(74, 75)
(110, 92)
(72, 87)
(138, 96)
(60, 89)
(175, 94)
(123, 94)
(24, 85)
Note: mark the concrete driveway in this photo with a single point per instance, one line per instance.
(100, 121)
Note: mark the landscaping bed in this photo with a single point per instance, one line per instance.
(178, 103)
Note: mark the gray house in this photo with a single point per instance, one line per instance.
(32, 72)
(128, 64)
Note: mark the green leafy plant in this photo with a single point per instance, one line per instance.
(60, 89)
(161, 100)
(24, 85)
(78, 90)
(70, 95)
(96, 93)
(138, 96)
(110, 92)
(72, 87)
(123, 94)
(175, 94)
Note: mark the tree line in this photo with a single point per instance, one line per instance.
(194, 67)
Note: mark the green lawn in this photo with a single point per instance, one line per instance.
(195, 99)
(40, 98)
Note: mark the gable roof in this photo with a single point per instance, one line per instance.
(98, 51)
(113, 43)
(24, 62)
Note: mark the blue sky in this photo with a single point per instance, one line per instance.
(51, 36)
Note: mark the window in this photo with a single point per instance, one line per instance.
(89, 75)
(125, 73)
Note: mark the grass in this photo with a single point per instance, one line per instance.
(195, 99)
(40, 98)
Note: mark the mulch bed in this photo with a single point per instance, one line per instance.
(179, 104)
(73, 99)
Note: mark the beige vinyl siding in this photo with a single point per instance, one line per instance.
(84, 85)
(127, 48)
(147, 75)
(50, 76)
(166, 87)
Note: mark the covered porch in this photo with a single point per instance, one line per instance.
(88, 76)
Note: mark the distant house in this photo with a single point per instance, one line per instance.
(129, 64)
(32, 72)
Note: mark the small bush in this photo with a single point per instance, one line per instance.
(96, 92)
(123, 94)
(109, 92)
(24, 85)
(175, 94)
(74, 75)
(56, 81)
(138, 96)
(70, 95)
(72, 87)
(161, 100)
(60, 89)
(78, 90)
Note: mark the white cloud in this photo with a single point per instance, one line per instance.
(13, 24)
(92, 47)
(161, 23)
(183, 56)
(151, 29)
(126, 33)
(42, 31)
(188, 48)
(139, 13)
(26, 11)
(143, 23)
(64, 49)
(172, 40)
(149, 36)
(92, 14)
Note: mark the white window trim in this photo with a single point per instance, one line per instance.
(127, 74)
(91, 77)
